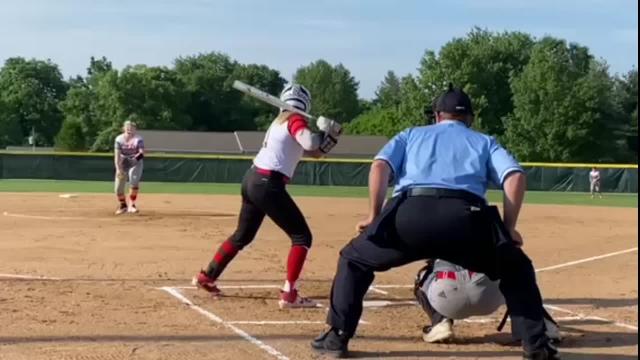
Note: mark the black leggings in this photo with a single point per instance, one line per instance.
(266, 195)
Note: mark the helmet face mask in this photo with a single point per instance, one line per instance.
(297, 96)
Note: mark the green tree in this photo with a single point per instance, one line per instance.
(212, 100)
(563, 106)
(388, 121)
(627, 97)
(79, 106)
(482, 63)
(10, 131)
(334, 92)
(71, 136)
(30, 91)
(248, 109)
(388, 92)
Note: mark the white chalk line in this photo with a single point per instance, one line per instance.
(593, 258)
(374, 289)
(106, 217)
(39, 217)
(213, 317)
(587, 317)
(275, 322)
(28, 277)
(249, 286)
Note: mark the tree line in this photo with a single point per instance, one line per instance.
(545, 99)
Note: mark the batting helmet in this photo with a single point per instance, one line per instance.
(297, 96)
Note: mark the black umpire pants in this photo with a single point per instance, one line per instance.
(450, 225)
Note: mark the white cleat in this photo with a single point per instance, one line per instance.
(293, 300)
(440, 332)
(121, 210)
(132, 209)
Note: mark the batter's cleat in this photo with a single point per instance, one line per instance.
(132, 209)
(548, 352)
(440, 332)
(334, 342)
(293, 300)
(122, 208)
(204, 282)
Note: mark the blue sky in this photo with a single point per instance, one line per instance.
(369, 37)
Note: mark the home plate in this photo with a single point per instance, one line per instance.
(68, 196)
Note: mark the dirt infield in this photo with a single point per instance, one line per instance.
(119, 287)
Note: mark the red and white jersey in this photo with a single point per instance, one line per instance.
(280, 150)
(129, 147)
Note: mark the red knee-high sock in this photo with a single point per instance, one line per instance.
(133, 194)
(297, 257)
(226, 252)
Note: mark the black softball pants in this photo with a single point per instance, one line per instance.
(266, 194)
(458, 229)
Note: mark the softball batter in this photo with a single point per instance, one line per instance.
(264, 193)
(128, 155)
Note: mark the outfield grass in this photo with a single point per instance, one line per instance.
(533, 197)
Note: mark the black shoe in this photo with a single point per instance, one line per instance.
(334, 342)
(548, 352)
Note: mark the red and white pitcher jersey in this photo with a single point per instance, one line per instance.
(280, 151)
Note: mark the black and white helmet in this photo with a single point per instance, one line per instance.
(297, 96)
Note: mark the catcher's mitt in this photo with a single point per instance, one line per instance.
(421, 277)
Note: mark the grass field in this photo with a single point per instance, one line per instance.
(533, 197)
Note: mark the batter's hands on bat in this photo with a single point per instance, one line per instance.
(329, 126)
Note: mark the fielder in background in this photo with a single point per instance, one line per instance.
(128, 155)
(594, 181)
(439, 211)
(264, 193)
(448, 292)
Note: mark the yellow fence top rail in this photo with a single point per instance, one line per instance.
(330, 160)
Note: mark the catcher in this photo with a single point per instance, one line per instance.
(446, 291)
(128, 155)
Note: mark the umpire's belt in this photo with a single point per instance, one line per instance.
(446, 193)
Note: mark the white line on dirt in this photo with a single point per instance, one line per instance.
(576, 262)
(213, 317)
(275, 322)
(43, 217)
(373, 289)
(28, 277)
(586, 317)
(249, 286)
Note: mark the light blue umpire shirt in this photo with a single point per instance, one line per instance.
(447, 155)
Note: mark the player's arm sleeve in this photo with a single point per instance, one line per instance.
(299, 129)
(501, 163)
(393, 153)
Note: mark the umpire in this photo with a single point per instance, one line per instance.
(438, 210)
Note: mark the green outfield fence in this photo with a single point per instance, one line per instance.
(230, 169)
